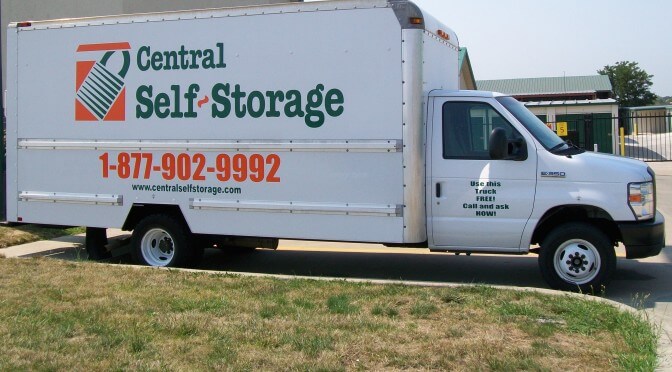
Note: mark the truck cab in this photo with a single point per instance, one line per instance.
(500, 181)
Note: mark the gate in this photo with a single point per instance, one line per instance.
(646, 135)
(642, 136)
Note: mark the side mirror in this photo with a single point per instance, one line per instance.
(498, 145)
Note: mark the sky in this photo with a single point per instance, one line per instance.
(509, 39)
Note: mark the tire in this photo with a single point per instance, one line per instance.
(577, 257)
(161, 240)
(96, 240)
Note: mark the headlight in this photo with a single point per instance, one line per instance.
(641, 199)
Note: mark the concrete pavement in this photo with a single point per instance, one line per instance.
(663, 304)
(71, 246)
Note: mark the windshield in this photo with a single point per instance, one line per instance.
(539, 130)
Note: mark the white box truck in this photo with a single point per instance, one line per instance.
(335, 121)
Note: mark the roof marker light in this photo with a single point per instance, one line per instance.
(24, 24)
(415, 20)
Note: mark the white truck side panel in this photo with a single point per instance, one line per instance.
(437, 72)
(432, 61)
(415, 229)
(264, 52)
(339, 180)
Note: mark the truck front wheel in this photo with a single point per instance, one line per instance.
(577, 256)
(161, 240)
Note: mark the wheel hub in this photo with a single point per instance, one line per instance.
(165, 245)
(577, 261)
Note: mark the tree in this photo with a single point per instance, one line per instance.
(631, 84)
(663, 101)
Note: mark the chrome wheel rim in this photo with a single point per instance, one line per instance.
(577, 261)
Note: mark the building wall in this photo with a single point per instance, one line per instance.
(466, 82)
(36, 10)
(652, 121)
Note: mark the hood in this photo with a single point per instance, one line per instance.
(593, 167)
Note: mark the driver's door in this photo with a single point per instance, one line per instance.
(476, 202)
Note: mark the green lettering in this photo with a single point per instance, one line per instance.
(177, 113)
(334, 97)
(314, 118)
(218, 98)
(143, 95)
(162, 102)
(157, 61)
(293, 105)
(220, 49)
(143, 66)
(167, 63)
(184, 64)
(279, 96)
(191, 96)
(237, 95)
(208, 58)
(259, 97)
(195, 55)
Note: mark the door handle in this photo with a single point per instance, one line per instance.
(438, 190)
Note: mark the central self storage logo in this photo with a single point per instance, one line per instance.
(159, 89)
(100, 86)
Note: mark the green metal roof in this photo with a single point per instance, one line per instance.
(647, 108)
(574, 102)
(547, 85)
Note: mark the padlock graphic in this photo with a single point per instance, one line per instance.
(100, 86)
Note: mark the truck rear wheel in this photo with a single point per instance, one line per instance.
(577, 257)
(161, 240)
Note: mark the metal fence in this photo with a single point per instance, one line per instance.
(642, 136)
(646, 137)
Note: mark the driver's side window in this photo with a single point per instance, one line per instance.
(467, 127)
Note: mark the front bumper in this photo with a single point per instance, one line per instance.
(643, 239)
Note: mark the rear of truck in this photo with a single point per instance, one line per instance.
(298, 121)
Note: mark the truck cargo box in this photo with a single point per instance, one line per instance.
(295, 121)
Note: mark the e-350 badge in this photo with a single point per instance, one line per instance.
(553, 174)
(100, 87)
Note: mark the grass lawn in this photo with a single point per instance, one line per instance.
(20, 234)
(61, 315)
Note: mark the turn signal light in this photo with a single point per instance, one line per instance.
(635, 198)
